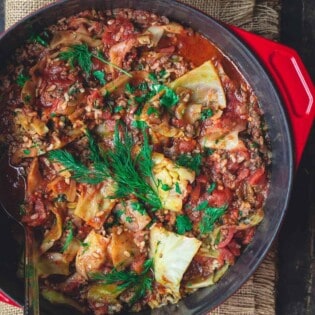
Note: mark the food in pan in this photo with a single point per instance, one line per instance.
(145, 156)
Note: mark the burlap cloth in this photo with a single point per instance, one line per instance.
(257, 295)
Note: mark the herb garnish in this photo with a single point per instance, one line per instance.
(39, 39)
(21, 79)
(69, 238)
(192, 162)
(138, 207)
(177, 188)
(80, 172)
(212, 187)
(81, 56)
(210, 216)
(128, 279)
(165, 187)
(206, 113)
(100, 76)
(183, 224)
(60, 198)
(130, 173)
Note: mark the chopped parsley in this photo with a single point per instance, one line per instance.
(177, 188)
(152, 110)
(21, 79)
(42, 40)
(60, 198)
(139, 124)
(192, 162)
(100, 76)
(210, 216)
(129, 219)
(165, 187)
(69, 237)
(27, 152)
(129, 88)
(183, 224)
(138, 207)
(118, 109)
(206, 113)
(153, 77)
(211, 188)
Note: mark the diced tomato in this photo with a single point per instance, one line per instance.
(195, 194)
(242, 174)
(203, 179)
(258, 177)
(219, 198)
(248, 235)
(234, 248)
(137, 264)
(227, 238)
(119, 31)
(166, 50)
(185, 146)
(226, 256)
(179, 123)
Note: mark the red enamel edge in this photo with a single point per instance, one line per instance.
(6, 299)
(293, 81)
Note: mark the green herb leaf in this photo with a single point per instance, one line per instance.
(210, 217)
(169, 98)
(152, 110)
(129, 279)
(165, 187)
(117, 109)
(39, 39)
(141, 124)
(129, 219)
(153, 77)
(78, 55)
(21, 79)
(69, 237)
(129, 88)
(60, 198)
(138, 207)
(27, 151)
(202, 205)
(211, 188)
(100, 76)
(177, 188)
(206, 113)
(183, 224)
(192, 162)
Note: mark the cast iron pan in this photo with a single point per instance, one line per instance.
(282, 162)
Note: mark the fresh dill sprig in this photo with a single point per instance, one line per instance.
(80, 172)
(130, 174)
(81, 55)
(78, 55)
(126, 279)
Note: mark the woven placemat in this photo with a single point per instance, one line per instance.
(257, 295)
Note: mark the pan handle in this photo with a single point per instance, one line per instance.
(293, 82)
